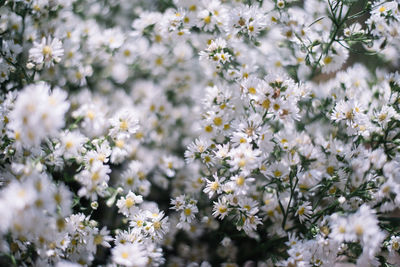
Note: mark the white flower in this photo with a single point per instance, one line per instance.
(46, 52)
(335, 59)
(244, 158)
(178, 202)
(71, 144)
(386, 114)
(221, 208)
(354, 28)
(160, 224)
(38, 113)
(361, 226)
(200, 145)
(19, 195)
(188, 213)
(102, 237)
(394, 244)
(340, 228)
(130, 254)
(127, 205)
(123, 124)
(215, 186)
(240, 184)
(304, 211)
(113, 38)
(94, 180)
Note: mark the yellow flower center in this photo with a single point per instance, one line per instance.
(95, 176)
(218, 121)
(46, 50)
(266, 103)
(120, 143)
(214, 186)
(90, 114)
(252, 90)
(123, 125)
(187, 212)
(98, 239)
(208, 128)
(301, 211)
(240, 181)
(222, 209)
(124, 255)
(327, 60)
(157, 225)
(129, 202)
(359, 229)
(330, 170)
(69, 145)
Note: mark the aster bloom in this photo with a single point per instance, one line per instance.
(334, 60)
(221, 208)
(198, 146)
(94, 180)
(47, 52)
(127, 205)
(159, 224)
(102, 238)
(394, 244)
(38, 113)
(123, 125)
(131, 254)
(214, 187)
(188, 213)
(71, 144)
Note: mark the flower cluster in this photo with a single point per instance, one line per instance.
(199, 133)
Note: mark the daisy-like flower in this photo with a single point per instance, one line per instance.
(221, 208)
(214, 186)
(160, 224)
(38, 113)
(47, 52)
(304, 211)
(189, 213)
(177, 203)
(340, 228)
(354, 28)
(127, 205)
(200, 145)
(94, 180)
(240, 184)
(130, 254)
(215, 52)
(394, 244)
(102, 237)
(123, 125)
(244, 158)
(188, 209)
(138, 221)
(71, 143)
(385, 115)
(335, 59)
(222, 151)
(250, 223)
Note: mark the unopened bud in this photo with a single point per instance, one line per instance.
(94, 205)
(30, 65)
